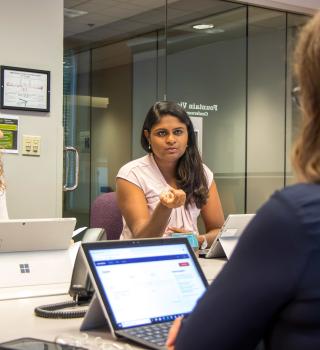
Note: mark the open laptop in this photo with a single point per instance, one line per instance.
(35, 234)
(34, 257)
(143, 285)
(229, 235)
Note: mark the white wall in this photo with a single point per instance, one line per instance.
(31, 36)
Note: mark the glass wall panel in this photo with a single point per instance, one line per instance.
(145, 83)
(206, 73)
(76, 119)
(110, 114)
(149, 62)
(118, 46)
(125, 75)
(234, 78)
(266, 104)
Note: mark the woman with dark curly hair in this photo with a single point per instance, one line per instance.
(166, 190)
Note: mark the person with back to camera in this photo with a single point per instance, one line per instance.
(3, 201)
(166, 190)
(270, 288)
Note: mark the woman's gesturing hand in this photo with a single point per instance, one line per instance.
(173, 198)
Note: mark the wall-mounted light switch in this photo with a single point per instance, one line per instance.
(31, 145)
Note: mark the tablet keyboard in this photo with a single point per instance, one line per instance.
(156, 333)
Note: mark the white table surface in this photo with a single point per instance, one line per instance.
(18, 320)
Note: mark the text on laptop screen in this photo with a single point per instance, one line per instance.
(149, 283)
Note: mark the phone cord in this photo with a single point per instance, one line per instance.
(54, 310)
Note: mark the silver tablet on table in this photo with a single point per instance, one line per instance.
(229, 235)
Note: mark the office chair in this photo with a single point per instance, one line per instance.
(106, 214)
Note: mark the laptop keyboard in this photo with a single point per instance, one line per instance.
(155, 333)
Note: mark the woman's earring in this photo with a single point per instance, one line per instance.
(149, 147)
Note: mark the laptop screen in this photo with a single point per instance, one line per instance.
(147, 283)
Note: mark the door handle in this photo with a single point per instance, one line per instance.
(68, 150)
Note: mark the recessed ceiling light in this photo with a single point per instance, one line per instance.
(71, 13)
(203, 26)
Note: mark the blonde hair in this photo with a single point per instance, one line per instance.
(2, 185)
(306, 151)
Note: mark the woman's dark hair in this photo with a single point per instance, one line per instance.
(190, 174)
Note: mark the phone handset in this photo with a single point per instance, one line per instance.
(80, 289)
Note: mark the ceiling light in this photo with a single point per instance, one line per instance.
(70, 13)
(203, 26)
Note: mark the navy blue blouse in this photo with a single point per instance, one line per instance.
(270, 288)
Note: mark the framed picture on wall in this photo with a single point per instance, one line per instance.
(25, 89)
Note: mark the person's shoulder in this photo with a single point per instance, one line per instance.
(283, 215)
(206, 169)
(134, 164)
(302, 201)
(300, 195)
(208, 172)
